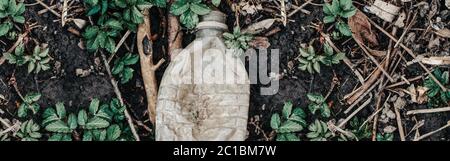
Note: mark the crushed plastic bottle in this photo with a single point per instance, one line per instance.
(204, 94)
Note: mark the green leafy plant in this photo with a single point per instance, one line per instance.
(318, 131)
(37, 62)
(29, 104)
(99, 123)
(237, 40)
(317, 103)
(292, 121)
(10, 12)
(359, 130)
(189, 10)
(385, 137)
(102, 36)
(114, 17)
(336, 12)
(121, 67)
(310, 61)
(29, 131)
(437, 96)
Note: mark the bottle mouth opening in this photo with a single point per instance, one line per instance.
(213, 20)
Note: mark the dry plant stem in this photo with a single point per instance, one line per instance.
(283, 12)
(406, 30)
(148, 68)
(124, 37)
(411, 53)
(363, 47)
(334, 128)
(342, 124)
(5, 123)
(433, 132)
(299, 8)
(399, 124)
(404, 82)
(119, 96)
(175, 35)
(49, 8)
(424, 111)
(64, 13)
(356, 98)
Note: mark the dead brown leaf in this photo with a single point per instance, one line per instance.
(362, 29)
(260, 42)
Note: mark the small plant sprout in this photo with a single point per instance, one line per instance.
(10, 12)
(385, 137)
(95, 124)
(318, 104)
(330, 57)
(436, 96)
(237, 41)
(38, 61)
(292, 121)
(309, 60)
(189, 10)
(359, 130)
(121, 67)
(318, 131)
(29, 131)
(29, 104)
(102, 36)
(336, 12)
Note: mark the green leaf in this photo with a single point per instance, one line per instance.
(31, 67)
(91, 32)
(58, 126)
(94, 10)
(120, 3)
(189, 19)
(87, 136)
(130, 59)
(19, 19)
(315, 97)
(56, 137)
(327, 9)
(60, 110)
(113, 132)
(72, 121)
(22, 111)
(127, 75)
(316, 67)
(348, 14)
(200, 9)
(82, 118)
(329, 19)
(114, 24)
(345, 4)
(32, 97)
(289, 127)
(136, 16)
(344, 29)
(93, 107)
(287, 137)
(179, 7)
(287, 109)
(335, 7)
(216, 2)
(275, 121)
(110, 45)
(96, 123)
(118, 68)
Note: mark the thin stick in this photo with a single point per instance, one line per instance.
(49, 8)
(410, 52)
(399, 124)
(64, 13)
(433, 132)
(119, 96)
(424, 111)
(355, 112)
(122, 40)
(299, 8)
